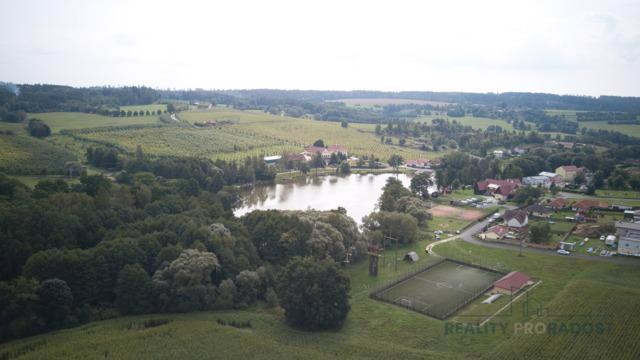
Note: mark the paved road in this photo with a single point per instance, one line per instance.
(467, 235)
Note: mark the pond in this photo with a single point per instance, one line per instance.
(358, 194)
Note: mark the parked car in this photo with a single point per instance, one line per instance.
(563, 252)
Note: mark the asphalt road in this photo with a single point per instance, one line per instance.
(467, 235)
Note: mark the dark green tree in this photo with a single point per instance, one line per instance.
(314, 294)
(134, 290)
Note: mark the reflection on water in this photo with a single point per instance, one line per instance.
(356, 193)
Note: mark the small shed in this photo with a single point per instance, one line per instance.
(569, 246)
(411, 256)
(511, 283)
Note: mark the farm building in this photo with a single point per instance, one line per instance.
(516, 218)
(628, 238)
(500, 189)
(511, 283)
(495, 232)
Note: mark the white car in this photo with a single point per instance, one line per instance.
(563, 252)
(602, 237)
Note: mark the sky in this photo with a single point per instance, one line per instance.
(565, 47)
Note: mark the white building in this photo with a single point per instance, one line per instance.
(498, 153)
(537, 181)
(628, 238)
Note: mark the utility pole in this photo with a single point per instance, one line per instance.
(396, 252)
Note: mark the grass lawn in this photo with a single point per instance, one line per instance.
(623, 194)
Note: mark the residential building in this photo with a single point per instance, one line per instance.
(516, 218)
(537, 181)
(555, 178)
(558, 204)
(495, 232)
(500, 189)
(568, 172)
(539, 211)
(628, 238)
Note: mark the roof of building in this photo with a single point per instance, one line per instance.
(505, 187)
(513, 280)
(499, 230)
(548, 174)
(571, 168)
(272, 158)
(337, 148)
(536, 178)
(558, 203)
(587, 204)
(519, 215)
(314, 149)
(628, 225)
(536, 208)
(296, 157)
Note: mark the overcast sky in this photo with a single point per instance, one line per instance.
(567, 47)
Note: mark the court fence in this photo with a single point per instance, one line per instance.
(376, 293)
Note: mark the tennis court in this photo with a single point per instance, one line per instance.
(439, 290)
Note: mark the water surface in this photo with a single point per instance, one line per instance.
(357, 193)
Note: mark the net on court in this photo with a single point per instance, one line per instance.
(439, 290)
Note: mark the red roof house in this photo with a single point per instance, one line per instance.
(511, 283)
(504, 188)
(558, 204)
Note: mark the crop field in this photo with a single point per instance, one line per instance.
(75, 120)
(251, 133)
(25, 155)
(439, 290)
(474, 122)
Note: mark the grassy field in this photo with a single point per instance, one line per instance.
(73, 120)
(628, 129)
(252, 133)
(380, 331)
(26, 155)
(145, 108)
(385, 101)
(474, 122)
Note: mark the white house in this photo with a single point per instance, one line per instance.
(516, 218)
(498, 153)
